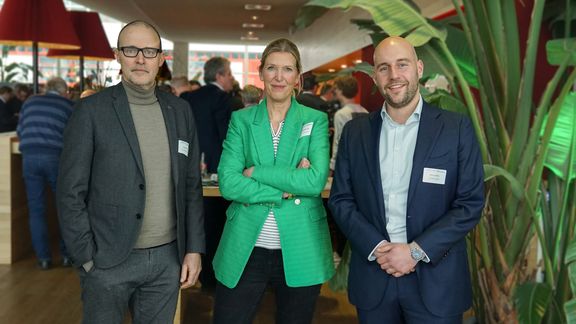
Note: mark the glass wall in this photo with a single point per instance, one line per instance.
(244, 60)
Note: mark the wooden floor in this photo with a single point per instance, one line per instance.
(31, 296)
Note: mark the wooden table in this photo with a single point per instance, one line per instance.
(214, 191)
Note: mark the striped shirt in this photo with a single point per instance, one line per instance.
(269, 236)
(42, 122)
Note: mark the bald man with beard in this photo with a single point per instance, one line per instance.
(408, 187)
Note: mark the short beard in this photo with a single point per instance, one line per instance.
(408, 96)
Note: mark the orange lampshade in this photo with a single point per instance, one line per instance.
(46, 22)
(95, 45)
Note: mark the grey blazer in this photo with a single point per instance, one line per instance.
(101, 186)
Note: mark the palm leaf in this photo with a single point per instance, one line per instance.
(445, 100)
(532, 300)
(560, 157)
(558, 50)
(491, 171)
(395, 17)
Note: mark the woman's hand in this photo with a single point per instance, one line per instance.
(304, 164)
(248, 172)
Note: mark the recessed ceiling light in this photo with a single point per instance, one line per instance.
(358, 61)
(251, 25)
(331, 70)
(249, 38)
(262, 7)
(254, 17)
(343, 66)
(250, 33)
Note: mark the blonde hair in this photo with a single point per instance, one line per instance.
(283, 45)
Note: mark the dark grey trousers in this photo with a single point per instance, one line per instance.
(147, 284)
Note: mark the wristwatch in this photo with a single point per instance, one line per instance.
(416, 252)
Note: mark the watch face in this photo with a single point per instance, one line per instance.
(417, 254)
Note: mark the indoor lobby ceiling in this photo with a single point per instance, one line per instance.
(205, 21)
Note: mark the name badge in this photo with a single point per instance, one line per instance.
(307, 129)
(183, 147)
(435, 176)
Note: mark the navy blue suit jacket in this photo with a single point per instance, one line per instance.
(438, 216)
(212, 110)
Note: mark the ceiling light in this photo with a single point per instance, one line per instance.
(250, 38)
(357, 61)
(254, 17)
(343, 66)
(262, 7)
(251, 25)
(331, 70)
(250, 33)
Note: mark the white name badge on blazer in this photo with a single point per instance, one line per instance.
(435, 176)
(183, 147)
(307, 129)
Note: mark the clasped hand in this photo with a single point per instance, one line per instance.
(395, 259)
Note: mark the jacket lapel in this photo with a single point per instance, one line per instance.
(261, 134)
(428, 132)
(171, 131)
(289, 137)
(371, 144)
(122, 108)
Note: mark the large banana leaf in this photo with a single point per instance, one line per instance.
(396, 17)
(559, 50)
(561, 157)
(531, 301)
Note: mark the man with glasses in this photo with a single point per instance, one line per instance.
(129, 191)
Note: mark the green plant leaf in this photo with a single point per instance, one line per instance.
(557, 50)
(363, 67)
(339, 282)
(570, 310)
(307, 15)
(445, 100)
(570, 306)
(395, 17)
(491, 171)
(560, 157)
(532, 300)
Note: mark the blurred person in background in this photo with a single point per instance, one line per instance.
(40, 130)
(251, 95)
(179, 85)
(8, 115)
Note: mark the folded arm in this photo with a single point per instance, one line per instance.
(301, 181)
(233, 184)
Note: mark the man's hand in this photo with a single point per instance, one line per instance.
(191, 267)
(248, 172)
(395, 258)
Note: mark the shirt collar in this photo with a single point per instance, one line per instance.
(218, 85)
(415, 117)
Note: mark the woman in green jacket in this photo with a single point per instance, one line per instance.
(273, 167)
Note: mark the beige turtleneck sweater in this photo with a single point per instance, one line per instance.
(159, 221)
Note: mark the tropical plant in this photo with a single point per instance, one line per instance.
(517, 221)
(570, 306)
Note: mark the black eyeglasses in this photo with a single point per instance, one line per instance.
(132, 51)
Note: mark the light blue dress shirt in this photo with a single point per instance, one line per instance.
(396, 153)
